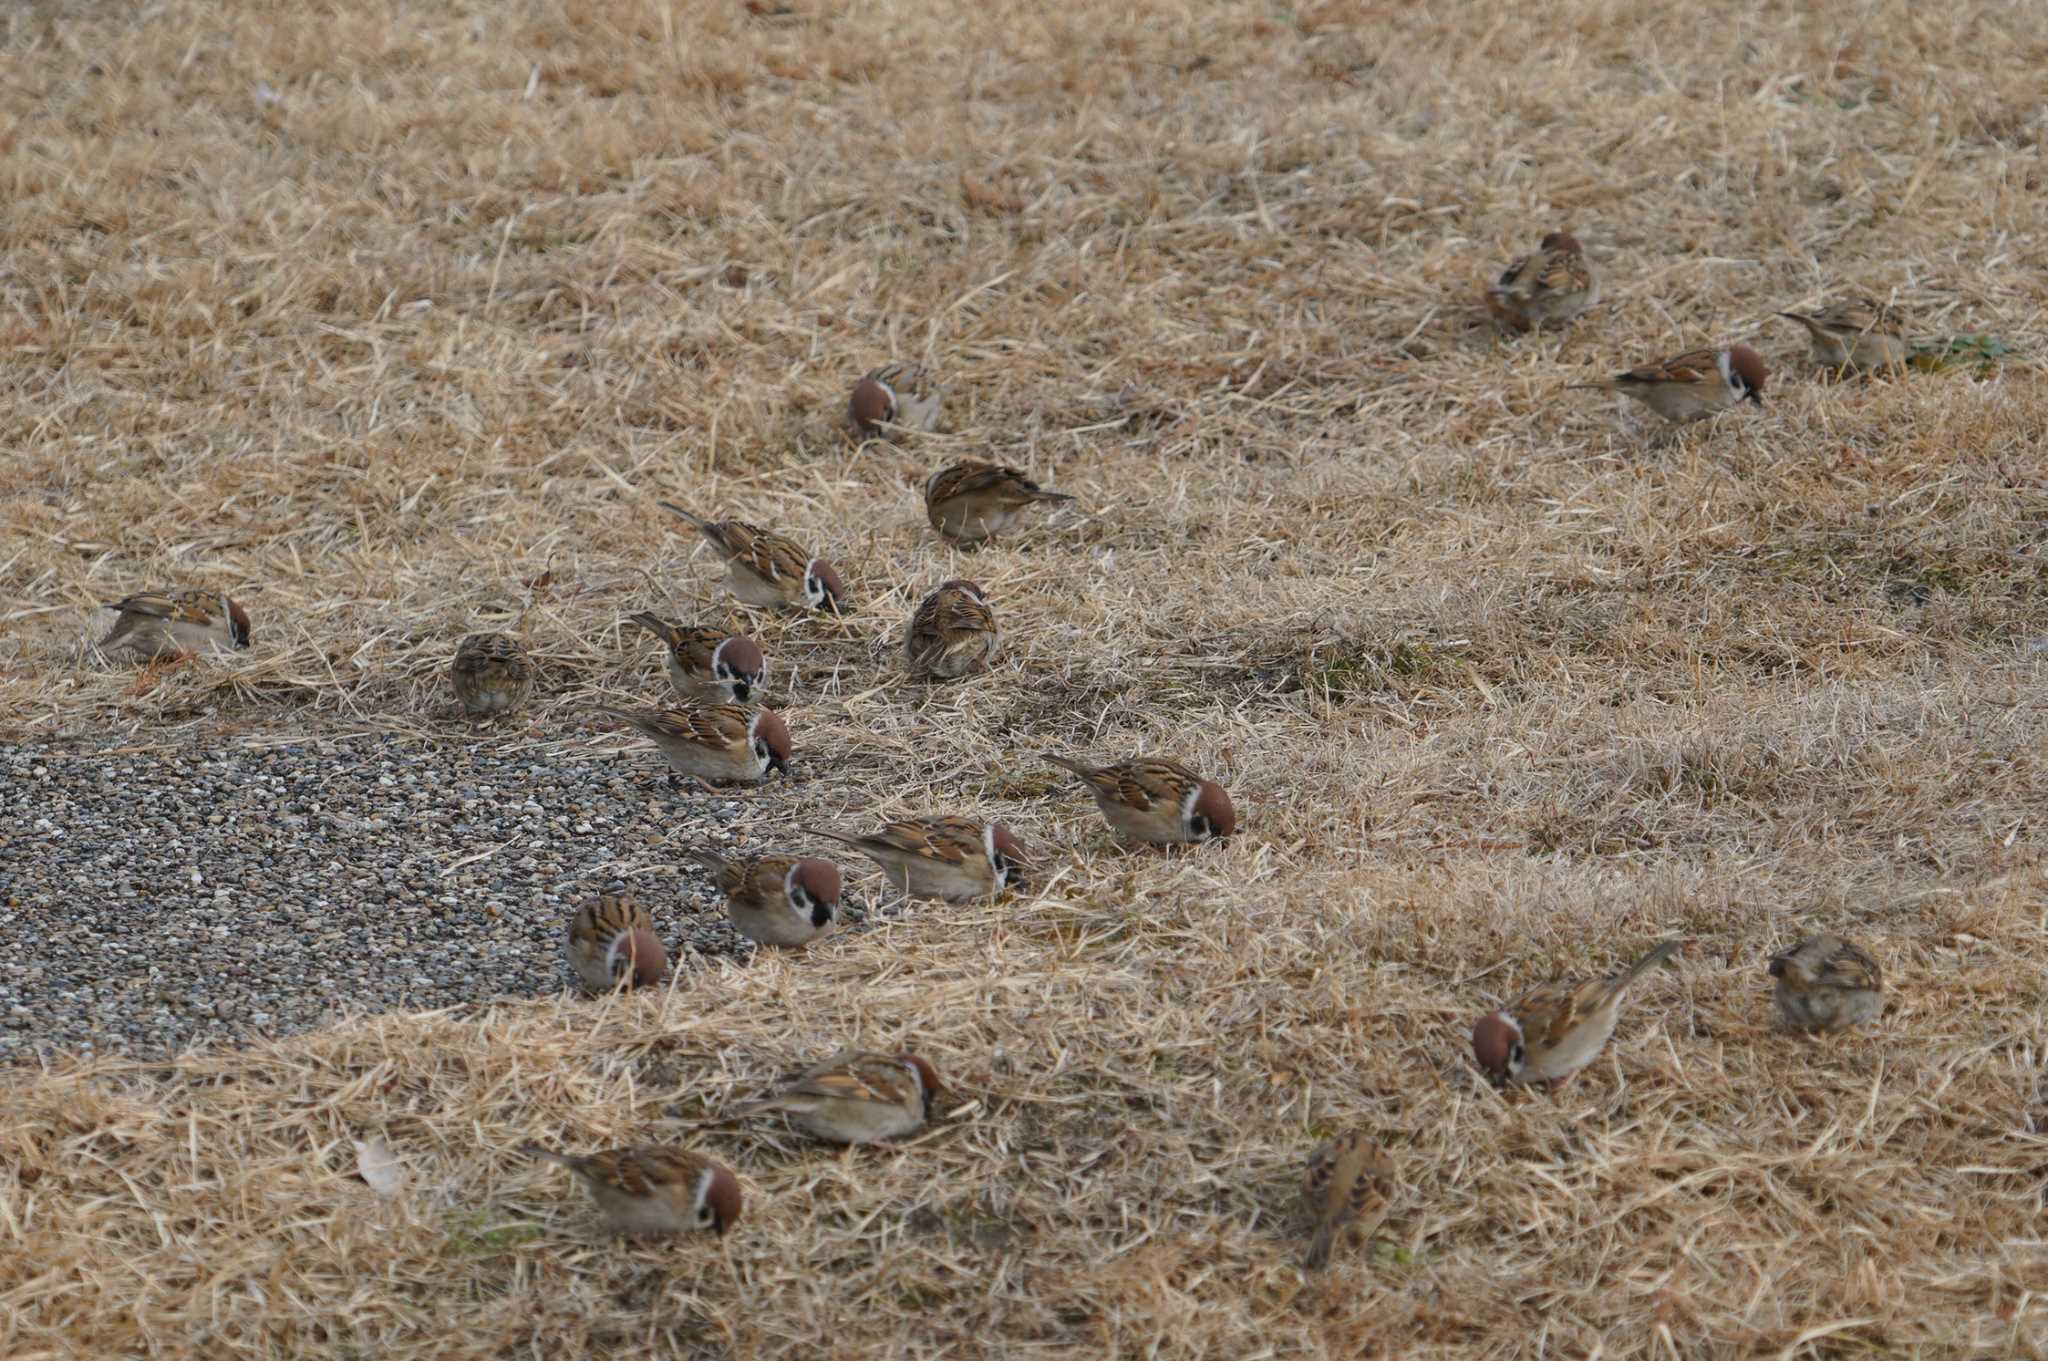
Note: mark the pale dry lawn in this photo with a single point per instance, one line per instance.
(373, 313)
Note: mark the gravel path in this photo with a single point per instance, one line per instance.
(151, 900)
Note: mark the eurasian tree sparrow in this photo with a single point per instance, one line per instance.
(1556, 1029)
(953, 858)
(1157, 800)
(787, 900)
(612, 942)
(1856, 333)
(1551, 285)
(1694, 385)
(153, 624)
(655, 1190)
(1826, 983)
(1347, 1177)
(767, 570)
(972, 501)
(710, 665)
(953, 632)
(715, 742)
(491, 674)
(895, 394)
(857, 1099)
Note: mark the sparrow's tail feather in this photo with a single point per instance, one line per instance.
(1808, 322)
(1084, 771)
(1605, 386)
(1319, 1247)
(1050, 496)
(1647, 963)
(674, 509)
(654, 624)
(831, 834)
(536, 1151)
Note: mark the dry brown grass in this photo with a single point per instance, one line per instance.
(371, 312)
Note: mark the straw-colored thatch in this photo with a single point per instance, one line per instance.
(394, 320)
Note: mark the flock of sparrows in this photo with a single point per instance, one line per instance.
(721, 733)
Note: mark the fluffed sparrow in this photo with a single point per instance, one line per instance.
(612, 941)
(1694, 385)
(765, 569)
(153, 624)
(491, 673)
(1347, 1177)
(1856, 333)
(974, 501)
(953, 633)
(788, 900)
(953, 858)
(715, 742)
(857, 1099)
(1552, 284)
(1157, 800)
(895, 394)
(654, 1189)
(1556, 1029)
(1826, 983)
(712, 665)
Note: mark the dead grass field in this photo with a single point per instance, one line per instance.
(371, 312)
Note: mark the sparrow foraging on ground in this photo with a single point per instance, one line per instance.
(1550, 285)
(973, 501)
(1556, 1029)
(901, 395)
(953, 633)
(714, 743)
(655, 1190)
(153, 624)
(857, 1099)
(612, 942)
(491, 674)
(953, 858)
(787, 900)
(1156, 800)
(1348, 1177)
(1694, 385)
(1855, 333)
(710, 665)
(1826, 983)
(767, 570)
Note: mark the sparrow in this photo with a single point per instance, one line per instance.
(973, 501)
(765, 569)
(952, 633)
(1691, 386)
(953, 858)
(1553, 283)
(715, 742)
(1825, 983)
(155, 624)
(654, 1189)
(895, 394)
(492, 674)
(1347, 1177)
(788, 900)
(857, 1099)
(1856, 333)
(708, 664)
(1157, 800)
(1558, 1028)
(612, 942)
